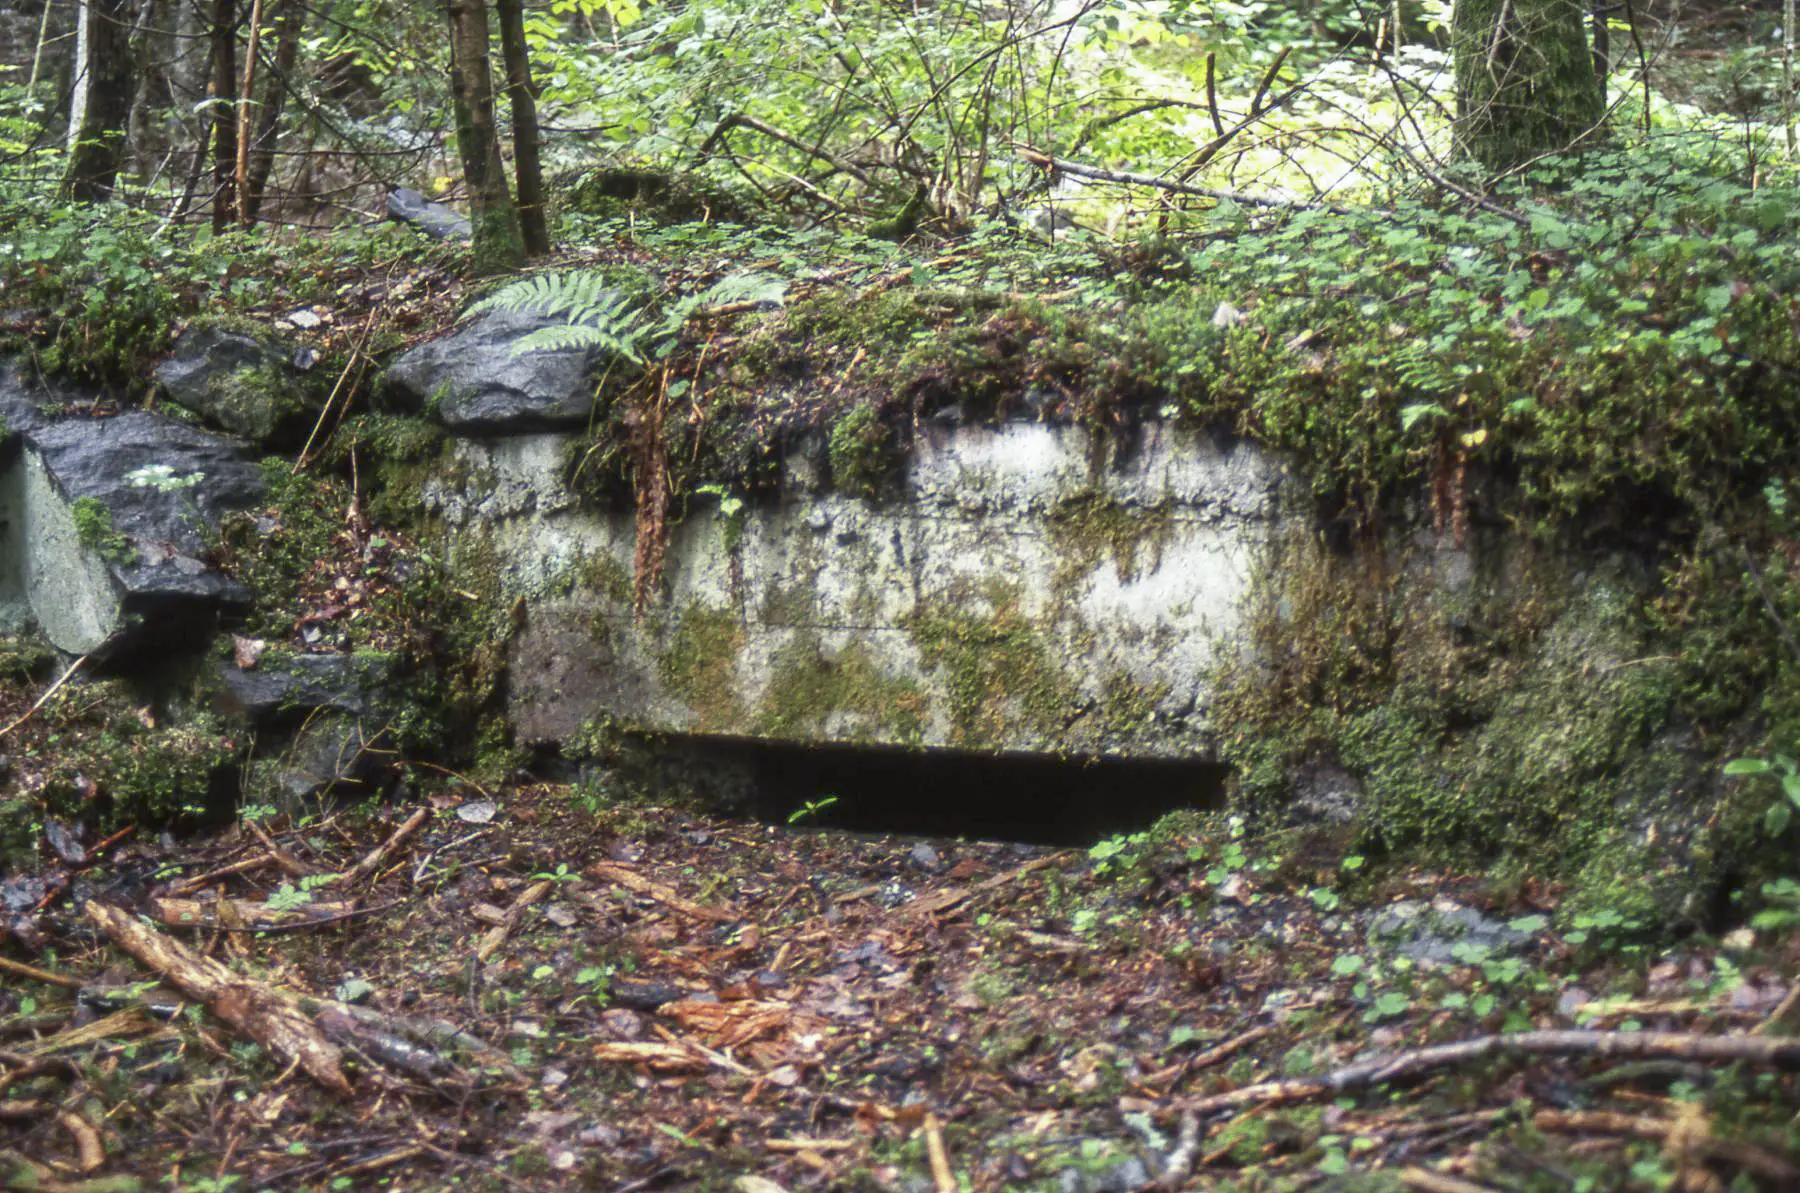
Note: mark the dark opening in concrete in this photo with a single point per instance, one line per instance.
(1030, 798)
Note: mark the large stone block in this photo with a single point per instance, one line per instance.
(1013, 597)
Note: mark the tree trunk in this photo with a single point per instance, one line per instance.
(100, 104)
(499, 244)
(292, 22)
(527, 139)
(1525, 81)
(149, 45)
(221, 92)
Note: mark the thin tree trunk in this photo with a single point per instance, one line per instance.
(100, 106)
(146, 39)
(240, 181)
(220, 91)
(527, 138)
(499, 244)
(292, 21)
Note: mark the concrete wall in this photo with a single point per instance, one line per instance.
(1013, 596)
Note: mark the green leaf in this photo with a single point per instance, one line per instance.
(1748, 766)
(1412, 414)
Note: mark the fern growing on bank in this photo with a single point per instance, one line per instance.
(598, 315)
(595, 313)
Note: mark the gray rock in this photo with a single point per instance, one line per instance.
(435, 220)
(329, 754)
(242, 383)
(292, 687)
(1431, 932)
(105, 527)
(474, 383)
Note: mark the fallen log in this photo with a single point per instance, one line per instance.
(264, 1015)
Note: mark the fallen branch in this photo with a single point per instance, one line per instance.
(266, 1016)
(243, 915)
(1129, 178)
(1427, 1181)
(21, 970)
(1774, 1052)
(188, 886)
(1746, 1156)
(380, 854)
(496, 936)
(631, 880)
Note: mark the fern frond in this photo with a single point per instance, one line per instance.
(552, 294)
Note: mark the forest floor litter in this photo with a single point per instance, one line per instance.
(528, 992)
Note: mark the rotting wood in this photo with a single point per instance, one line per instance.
(266, 1016)
(1776, 1053)
(90, 1152)
(631, 880)
(944, 900)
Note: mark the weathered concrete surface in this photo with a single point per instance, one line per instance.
(1013, 597)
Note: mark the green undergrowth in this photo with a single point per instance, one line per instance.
(97, 294)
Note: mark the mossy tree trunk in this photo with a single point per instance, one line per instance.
(100, 105)
(499, 243)
(1525, 79)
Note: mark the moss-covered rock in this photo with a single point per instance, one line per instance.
(240, 381)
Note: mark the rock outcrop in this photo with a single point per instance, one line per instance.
(107, 525)
(475, 383)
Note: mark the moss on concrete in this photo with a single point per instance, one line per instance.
(844, 694)
(700, 662)
(1527, 711)
(1000, 674)
(1090, 527)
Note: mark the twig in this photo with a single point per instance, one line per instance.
(188, 886)
(496, 936)
(379, 855)
(941, 1175)
(1746, 1156)
(19, 969)
(632, 880)
(1129, 178)
(45, 698)
(281, 856)
(1778, 1017)
(1776, 1052)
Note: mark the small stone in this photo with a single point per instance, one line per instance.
(562, 915)
(1572, 1000)
(305, 318)
(598, 1135)
(925, 857)
(621, 1024)
(554, 1078)
(477, 811)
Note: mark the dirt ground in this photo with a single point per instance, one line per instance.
(524, 992)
